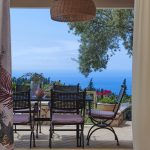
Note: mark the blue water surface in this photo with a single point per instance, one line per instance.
(110, 80)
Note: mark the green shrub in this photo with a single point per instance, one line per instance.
(111, 99)
(126, 98)
(107, 100)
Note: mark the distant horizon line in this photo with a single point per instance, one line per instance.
(58, 73)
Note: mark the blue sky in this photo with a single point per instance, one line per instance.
(41, 45)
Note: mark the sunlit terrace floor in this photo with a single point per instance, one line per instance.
(100, 140)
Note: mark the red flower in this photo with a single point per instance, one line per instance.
(105, 92)
(99, 93)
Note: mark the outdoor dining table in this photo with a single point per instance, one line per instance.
(47, 100)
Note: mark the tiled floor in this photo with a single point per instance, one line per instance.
(100, 140)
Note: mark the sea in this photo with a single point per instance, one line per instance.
(107, 80)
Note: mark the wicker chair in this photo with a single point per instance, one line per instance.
(62, 104)
(23, 113)
(104, 119)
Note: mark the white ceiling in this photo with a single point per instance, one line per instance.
(46, 3)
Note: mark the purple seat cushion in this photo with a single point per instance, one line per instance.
(21, 118)
(63, 111)
(102, 114)
(67, 119)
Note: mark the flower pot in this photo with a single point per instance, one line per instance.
(105, 106)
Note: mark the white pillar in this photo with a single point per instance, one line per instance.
(6, 104)
(141, 76)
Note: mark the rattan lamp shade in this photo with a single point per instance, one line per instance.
(72, 10)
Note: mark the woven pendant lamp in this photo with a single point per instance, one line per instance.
(72, 10)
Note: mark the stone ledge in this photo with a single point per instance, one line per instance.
(121, 114)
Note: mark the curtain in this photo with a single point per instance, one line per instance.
(6, 108)
(141, 76)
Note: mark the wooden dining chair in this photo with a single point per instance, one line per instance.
(104, 119)
(68, 108)
(23, 114)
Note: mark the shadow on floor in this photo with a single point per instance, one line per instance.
(68, 141)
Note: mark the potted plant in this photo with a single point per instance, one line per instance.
(106, 103)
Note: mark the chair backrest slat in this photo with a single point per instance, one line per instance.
(67, 101)
(20, 88)
(66, 88)
(21, 100)
(120, 97)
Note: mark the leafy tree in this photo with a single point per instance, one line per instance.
(28, 77)
(36, 77)
(102, 37)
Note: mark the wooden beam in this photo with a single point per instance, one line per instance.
(30, 3)
(114, 3)
(46, 3)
